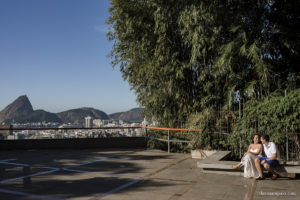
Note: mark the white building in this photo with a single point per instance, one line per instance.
(97, 122)
(145, 122)
(88, 122)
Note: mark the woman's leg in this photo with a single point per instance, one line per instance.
(237, 166)
(252, 171)
(258, 167)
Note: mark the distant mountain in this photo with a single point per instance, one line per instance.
(115, 116)
(39, 116)
(77, 115)
(133, 115)
(21, 107)
(21, 111)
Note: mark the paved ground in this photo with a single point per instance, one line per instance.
(125, 174)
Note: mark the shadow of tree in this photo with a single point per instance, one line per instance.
(67, 184)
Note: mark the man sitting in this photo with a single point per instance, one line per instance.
(269, 162)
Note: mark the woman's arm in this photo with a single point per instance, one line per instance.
(259, 150)
(246, 151)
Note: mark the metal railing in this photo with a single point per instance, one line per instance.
(169, 140)
(289, 150)
(145, 128)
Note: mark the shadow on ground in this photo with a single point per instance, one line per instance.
(95, 172)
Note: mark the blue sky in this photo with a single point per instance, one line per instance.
(55, 52)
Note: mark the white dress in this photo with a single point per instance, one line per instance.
(249, 164)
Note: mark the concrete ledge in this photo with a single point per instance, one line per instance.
(218, 171)
(293, 169)
(202, 154)
(287, 171)
(78, 143)
(214, 164)
(217, 156)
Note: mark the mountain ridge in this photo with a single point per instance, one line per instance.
(77, 115)
(18, 108)
(21, 111)
(132, 115)
(39, 116)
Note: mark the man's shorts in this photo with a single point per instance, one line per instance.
(272, 163)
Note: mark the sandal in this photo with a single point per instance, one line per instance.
(260, 178)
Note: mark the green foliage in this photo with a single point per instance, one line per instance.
(272, 115)
(154, 52)
(211, 137)
(182, 57)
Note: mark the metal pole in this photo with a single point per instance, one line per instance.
(287, 147)
(146, 135)
(240, 137)
(168, 141)
(287, 138)
(239, 108)
(240, 147)
(181, 127)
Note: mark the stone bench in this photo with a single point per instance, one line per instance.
(215, 164)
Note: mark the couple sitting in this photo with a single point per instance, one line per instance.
(253, 160)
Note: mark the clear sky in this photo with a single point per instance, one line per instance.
(55, 52)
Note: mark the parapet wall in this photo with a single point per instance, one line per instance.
(5, 133)
(78, 143)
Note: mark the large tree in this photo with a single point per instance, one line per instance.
(182, 56)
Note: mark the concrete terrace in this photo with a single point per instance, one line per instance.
(91, 174)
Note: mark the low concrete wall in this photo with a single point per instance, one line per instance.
(5, 133)
(80, 143)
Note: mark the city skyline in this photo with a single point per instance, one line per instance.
(55, 52)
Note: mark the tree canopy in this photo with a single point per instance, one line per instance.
(184, 56)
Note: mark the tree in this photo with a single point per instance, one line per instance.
(183, 56)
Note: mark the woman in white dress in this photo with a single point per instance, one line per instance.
(248, 160)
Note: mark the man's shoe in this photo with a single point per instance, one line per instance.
(270, 174)
(274, 177)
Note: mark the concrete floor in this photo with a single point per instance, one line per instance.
(125, 174)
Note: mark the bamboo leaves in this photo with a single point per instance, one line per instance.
(183, 56)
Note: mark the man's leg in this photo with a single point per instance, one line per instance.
(258, 167)
(267, 167)
(270, 169)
